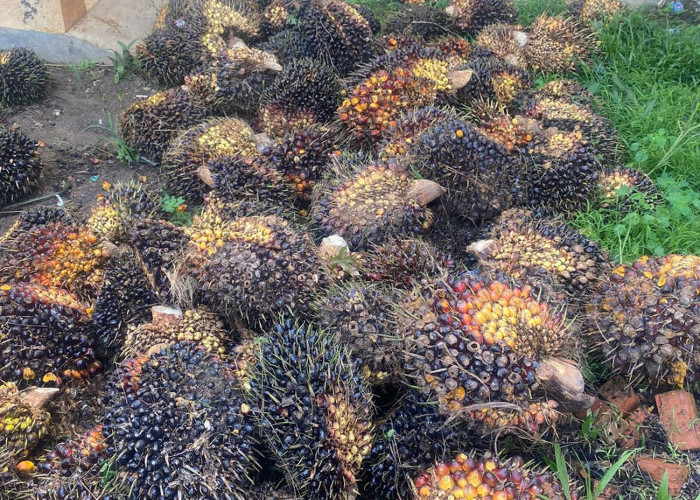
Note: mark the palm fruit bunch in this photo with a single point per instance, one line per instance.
(564, 173)
(287, 46)
(182, 426)
(124, 298)
(567, 115)
(519, 241)
(473, 15)
(305, 92)
(275, 17)
(59, 255)
(402, 262)
(150, 124)
(492, 80)
(269, 491)
(227, 20)
(167, 55)
(453, 47)
(20, 166)
(26, 222)
(619, 187)
(413, 437)
(23, 421)
(194, 147)
(408, 127)
(248, 186)
(505, 41)
(234, 80)
(516, 134)
(474, 340)
(420, 21)
(595, 10)
(302, 156)
(159, 246)
(373, 203)
(555, 44)
(481, 177)
(647, 319)
(314, 409)
(45, 335)
(200, 326)
(486, 478)
(567, 88)
(23, 77)
(255, 266)
(336, 33)
(119, 208)
(360, 317)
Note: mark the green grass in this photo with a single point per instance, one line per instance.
(528, 10)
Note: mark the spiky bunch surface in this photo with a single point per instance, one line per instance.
(23, 77)
(314, 409)
(619, 187)
(556, 43)
(414, 437)
(473, 15)
(256, 267)
(159, 245)
(226, 19)
(595, 10)
(486, 477)
(493, 79)
(567, 115)
(234, 80)
(119, 208)
(306, 92)
(288, 45)
(58, 255)
(125, 298)
(183, 427)
(564, 173)
(302, 157)
(370, 205)
(192, 149)
(21, 424)
(567, 88)
(420, 21)
(45, 335)
(505, 41)
(647, 319)
(360, 316)
(481, 177)
(336, 34)
(149, 125)
(409, 126)
(521, 241)
(20, 166)
(274, 17)
(475, 341)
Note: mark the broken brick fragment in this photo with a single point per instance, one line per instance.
(677, 473)
(678, 414)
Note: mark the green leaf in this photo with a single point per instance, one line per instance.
(614, 468)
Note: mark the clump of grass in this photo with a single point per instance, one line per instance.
(529, 10)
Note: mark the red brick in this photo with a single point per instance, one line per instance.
(677, 473)
(617, 392)
(678, 413)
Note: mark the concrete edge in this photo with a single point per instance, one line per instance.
(53, 47)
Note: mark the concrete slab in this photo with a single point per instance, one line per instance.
(53, 47)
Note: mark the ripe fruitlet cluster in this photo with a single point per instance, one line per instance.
(21, 424)
(118, 208)
(619, 187)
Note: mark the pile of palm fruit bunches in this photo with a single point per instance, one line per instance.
(381, 281)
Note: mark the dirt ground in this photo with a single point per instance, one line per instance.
(78, 155)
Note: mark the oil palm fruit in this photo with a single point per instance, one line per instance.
(306, 92)
(119, 208)
(45, 335)
(486, 477)
(373, 203)
(150, 124)
(288, 45)
(194, 147)
(413, 437)
(255, 266)
(23, 419)
(275, 17)
(314, 409)
(647, 319)
(481, 177)
(336, 33)
(519, 241)
(567, 88)
(183, 426)
(422, 22)
(505, 41)
(620, 187)
(125, 298)
(475, 340)
(28, 220)
(228, 19)
(567, 115)
(23, 77)
(473, 15)
(20, 166)
(360, 316)
(563, 174)
(234, 80)
(595, 10)
(159, 247)
(517, 134)
(409, 126)
(556, 43)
